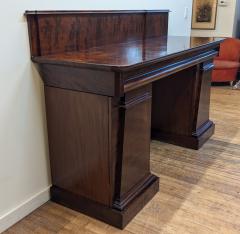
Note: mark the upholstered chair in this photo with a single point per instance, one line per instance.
(227, 63)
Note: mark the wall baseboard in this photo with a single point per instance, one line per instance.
(24, 209)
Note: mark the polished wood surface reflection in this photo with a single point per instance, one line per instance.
(70, 31)
(126, 55)
(199, 189)
(108, 75)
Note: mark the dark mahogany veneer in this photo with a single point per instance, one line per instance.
(112, 80)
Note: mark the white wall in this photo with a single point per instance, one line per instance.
(24, 169)
(178, 24)
(224, 22)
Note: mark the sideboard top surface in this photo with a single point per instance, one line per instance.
(131, 54)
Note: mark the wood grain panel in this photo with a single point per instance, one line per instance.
(172, 103)
(78, 142)
(85, 80)
(204, 99)
(133, 170)
(136, 147)
(58, 32)
(156, 24)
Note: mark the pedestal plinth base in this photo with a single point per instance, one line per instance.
(195, 141)
(106, 214)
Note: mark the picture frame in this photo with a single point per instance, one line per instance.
(204, 14)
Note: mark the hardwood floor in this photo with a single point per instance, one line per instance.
(199, 190)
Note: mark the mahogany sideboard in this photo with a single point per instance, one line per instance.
(113, 80)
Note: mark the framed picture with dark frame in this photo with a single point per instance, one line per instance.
(204, 14)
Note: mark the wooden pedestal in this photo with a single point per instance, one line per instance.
(99, 165)
(180, 110)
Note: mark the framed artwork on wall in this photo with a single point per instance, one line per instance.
(204, 14)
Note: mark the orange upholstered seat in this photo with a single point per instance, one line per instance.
(227, 63)
(224, 64)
